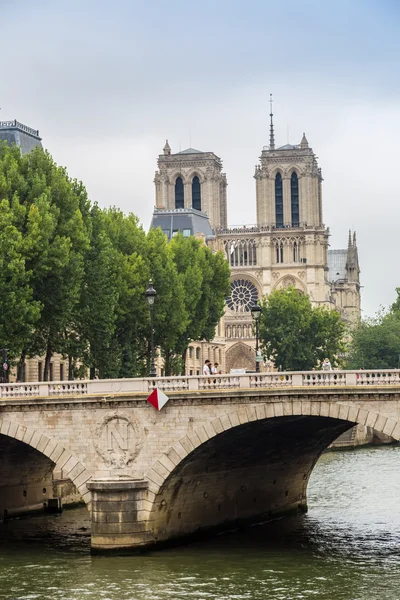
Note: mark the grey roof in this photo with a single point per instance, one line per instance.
(16, 133)
(337, 264)
(179, 219)
(191, 151)
(288, 147)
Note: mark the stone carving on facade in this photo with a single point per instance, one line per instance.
(118, 440)
(288, 282)
(240, 356)
(301, 274)
(276, 275)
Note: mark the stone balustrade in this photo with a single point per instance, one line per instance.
(294, 379)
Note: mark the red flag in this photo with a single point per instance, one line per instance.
(157, 399)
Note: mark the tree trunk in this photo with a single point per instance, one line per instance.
(21, 367)
(167, 363)
(70, 366)
(184, 355)
(49, 354)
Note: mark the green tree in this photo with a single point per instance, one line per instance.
(19, 311)
(56, 259)
(129, 346)
(98, 311)
(375, 342)
(205, 280)
(170, 313)
(297, 336)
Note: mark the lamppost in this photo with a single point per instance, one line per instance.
(256, 314)
(150, 294)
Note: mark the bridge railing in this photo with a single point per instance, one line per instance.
(294, 379)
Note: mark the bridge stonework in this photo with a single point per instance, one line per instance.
(210, 459)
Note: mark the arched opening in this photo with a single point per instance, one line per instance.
(245, 474)
(196, 193)
(36, 471)
(278, 200)
(179, 193)
(294, 197)
(249, 465)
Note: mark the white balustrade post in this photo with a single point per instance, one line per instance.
(297, 380)
(244, 381)
(193, 383)
(351, 379)
(43, 389)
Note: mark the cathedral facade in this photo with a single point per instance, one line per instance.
(287, 247)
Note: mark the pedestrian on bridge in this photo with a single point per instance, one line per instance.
(326, 365)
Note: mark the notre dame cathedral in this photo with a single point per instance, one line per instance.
(288, 246)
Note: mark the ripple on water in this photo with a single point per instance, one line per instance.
(346, 548)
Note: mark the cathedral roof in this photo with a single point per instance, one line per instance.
(288, 147)
(179, 219)
(191, 151)
(337, 264)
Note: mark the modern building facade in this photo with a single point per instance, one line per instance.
(14, 132)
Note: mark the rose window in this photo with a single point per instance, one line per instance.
(243, 295)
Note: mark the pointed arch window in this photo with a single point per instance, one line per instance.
(278, 200)
(196, 193)
(279, 252)
(294, 196)
(179, 193)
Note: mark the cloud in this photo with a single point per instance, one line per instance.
(106, 84)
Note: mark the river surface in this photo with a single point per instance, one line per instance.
(346, 548)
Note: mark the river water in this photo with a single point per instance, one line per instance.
(346, 548)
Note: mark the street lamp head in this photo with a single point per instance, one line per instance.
(150, 293)
(256, 311)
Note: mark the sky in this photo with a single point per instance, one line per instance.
(107, 82)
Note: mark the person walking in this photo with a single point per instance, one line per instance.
(207, 368)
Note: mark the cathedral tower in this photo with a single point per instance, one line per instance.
(192, 179)
(288, 186)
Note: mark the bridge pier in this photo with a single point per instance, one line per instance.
(119, 514)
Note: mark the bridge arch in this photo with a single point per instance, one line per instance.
(248, 464)
(56, 452)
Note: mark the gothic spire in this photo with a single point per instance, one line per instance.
(167, 149)
(271, 128)
(304, 142)
(349, 244)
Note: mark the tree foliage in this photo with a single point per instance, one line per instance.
(73, 277)
(375, 342)
(204, 277)
(296, 335)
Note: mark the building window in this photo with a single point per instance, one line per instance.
(61, 372)
(179, 194)
(175, 232)
(190, 352)
(279, 252)
(278, 200)
(166, 232)
(40, 371)
(295, 252)
(294, 195)
(186, 232)
(197, 353)
(51, 372)
(196, 193)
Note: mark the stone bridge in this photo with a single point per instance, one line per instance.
(225, 450)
